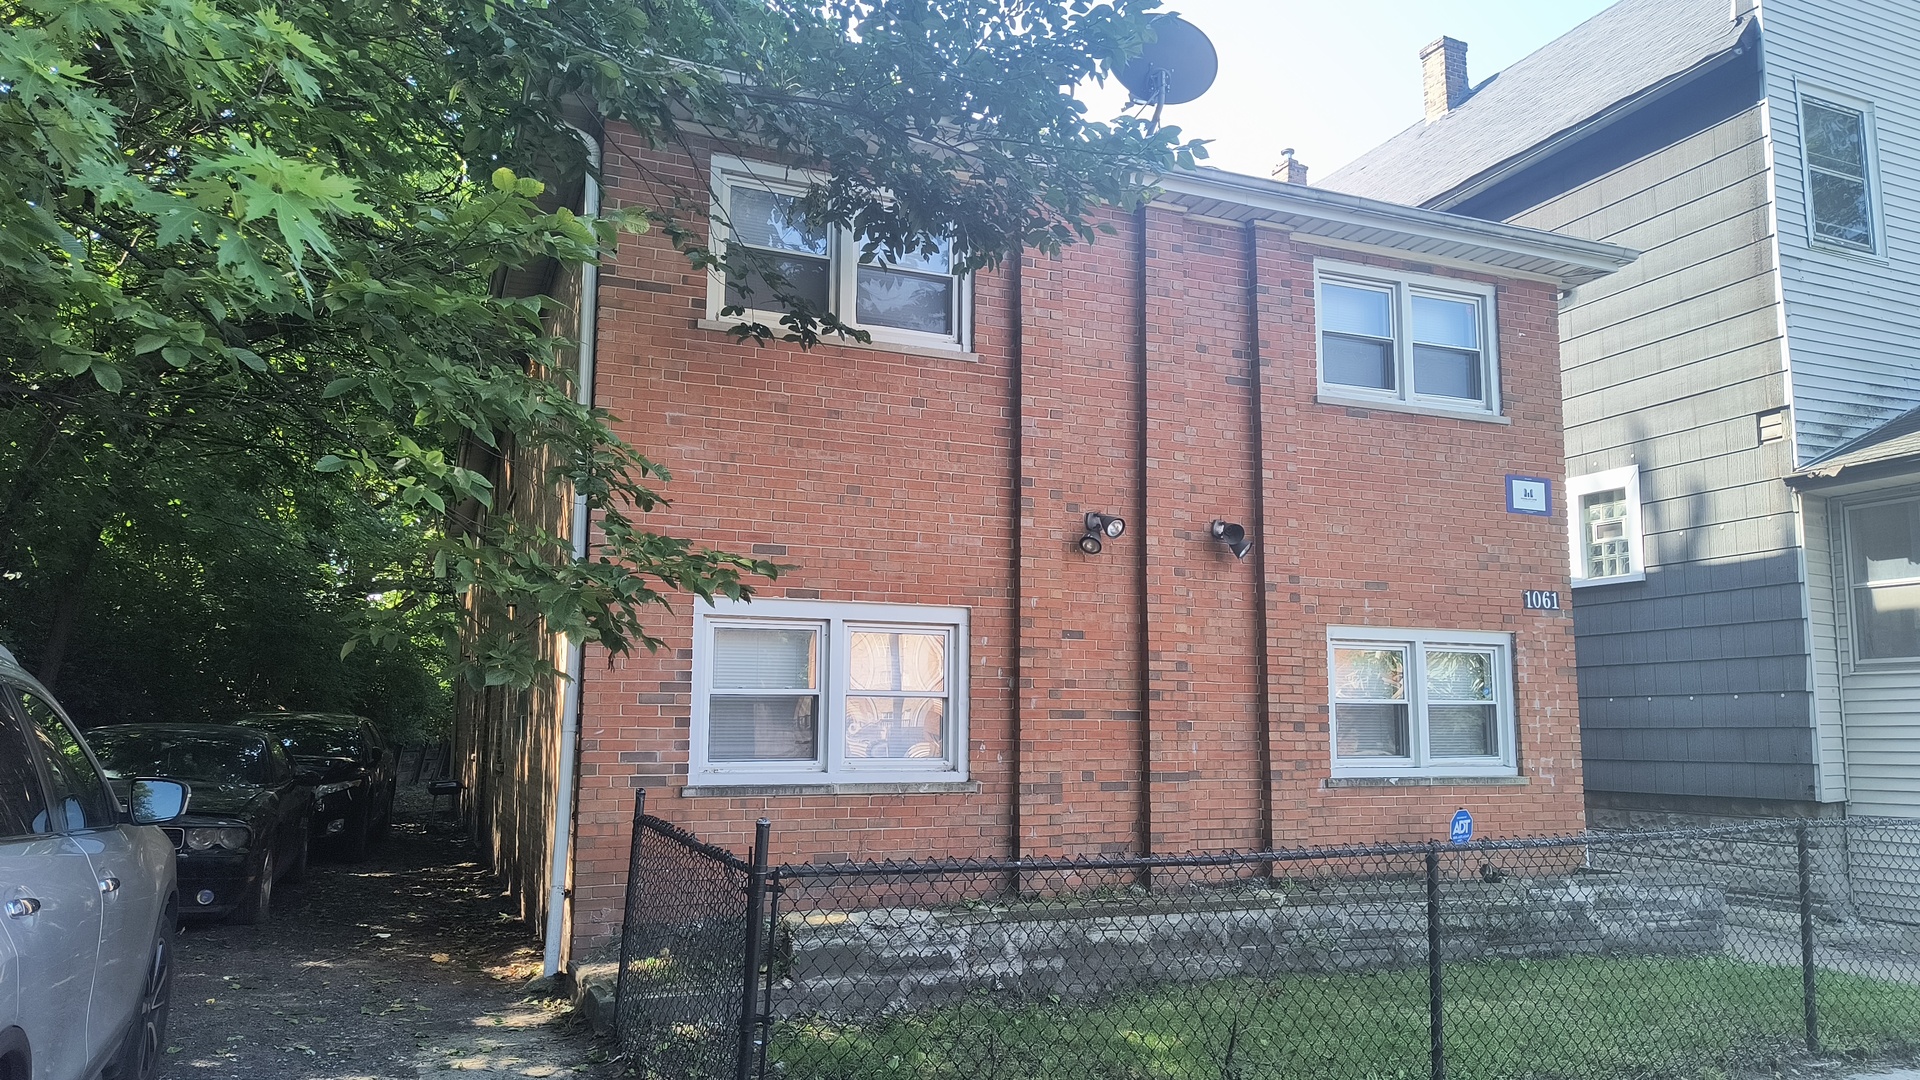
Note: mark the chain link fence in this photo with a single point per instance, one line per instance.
(1688, 953)
(684, 956)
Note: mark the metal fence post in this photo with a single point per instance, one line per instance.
(626, 921)
(1807, 988)
(749, 1054)
(1435, 1022)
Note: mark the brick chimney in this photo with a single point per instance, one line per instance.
(1444, 63)
(1290, 170)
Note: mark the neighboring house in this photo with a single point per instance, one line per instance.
(1744, 477)
(951, 670)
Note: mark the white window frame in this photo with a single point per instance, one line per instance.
(1852, 587)
(835, 620)
(1804, 93)
(1404, 286)
(1420, 762)
(1578, 487)
(843, 255)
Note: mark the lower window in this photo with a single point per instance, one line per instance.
(813, 692)
(1408, 702)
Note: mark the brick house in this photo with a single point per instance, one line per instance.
(962, 661)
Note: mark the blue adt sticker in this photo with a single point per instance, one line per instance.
(1461, 832)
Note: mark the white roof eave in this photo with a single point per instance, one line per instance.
(1310, 211)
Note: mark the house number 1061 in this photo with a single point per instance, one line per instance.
(1540, 600)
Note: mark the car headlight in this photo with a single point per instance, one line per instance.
(226, 838)
(325, 790)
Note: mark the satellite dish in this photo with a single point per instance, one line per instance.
(1175, 68)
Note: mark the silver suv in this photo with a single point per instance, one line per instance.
(88, 902)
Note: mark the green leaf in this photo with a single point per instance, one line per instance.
(330, 464)
(107, 376)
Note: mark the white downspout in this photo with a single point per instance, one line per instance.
(576, 658)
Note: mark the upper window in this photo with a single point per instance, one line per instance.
(1837, 139)
(915, 297)
(805, 692)
(1421, 701)
(1883, 571)
(1603, 520)
(1418, 340)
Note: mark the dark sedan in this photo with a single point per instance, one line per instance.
(246, 823)
(351, 764)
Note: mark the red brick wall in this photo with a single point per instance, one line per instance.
(890, 477)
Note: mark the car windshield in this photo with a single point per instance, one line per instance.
(321, 742)
(206, 757)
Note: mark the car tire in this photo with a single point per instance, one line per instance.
(258, 905)
(145, 1042)
(296, 871)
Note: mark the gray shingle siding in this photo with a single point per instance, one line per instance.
(1696, 680)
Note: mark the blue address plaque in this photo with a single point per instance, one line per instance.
(1529, 495)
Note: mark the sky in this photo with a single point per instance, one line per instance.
(1335, 78)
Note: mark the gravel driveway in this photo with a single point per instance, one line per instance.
(409, 964)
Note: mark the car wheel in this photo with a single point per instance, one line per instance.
(297, 868)
(259, 904)
(142, 1047)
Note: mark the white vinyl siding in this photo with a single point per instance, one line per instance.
(1824, 568)
(1882, 748)
(1852, 314)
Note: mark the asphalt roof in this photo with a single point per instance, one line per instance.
(1617, 54)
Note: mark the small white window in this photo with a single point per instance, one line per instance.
(1412, 340)
(812, 692)
(1883, 577)
(1435, 702)
(1837, 144)
(1603, 524)
(912, 297)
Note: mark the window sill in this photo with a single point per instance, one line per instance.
(1427, 781)
(1623, 579)
(878, 344)
(912, 787)
(1823, 247)
(1376, 404)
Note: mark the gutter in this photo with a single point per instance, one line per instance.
(1579, 260)
(558, 895)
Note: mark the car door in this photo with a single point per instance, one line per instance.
(291, 809)
(50, 902)
(123, 883)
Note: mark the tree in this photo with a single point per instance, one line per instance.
(249, 255)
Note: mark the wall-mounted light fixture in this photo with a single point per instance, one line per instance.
(1099, 525)
(1234, 536)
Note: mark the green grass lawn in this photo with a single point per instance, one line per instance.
(1590, 1018)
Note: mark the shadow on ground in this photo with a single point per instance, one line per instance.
(409, 964)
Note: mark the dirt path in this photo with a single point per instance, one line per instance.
(408, 965)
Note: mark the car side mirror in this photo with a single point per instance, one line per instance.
(157, 800)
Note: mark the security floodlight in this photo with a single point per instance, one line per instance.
(1234, 536)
